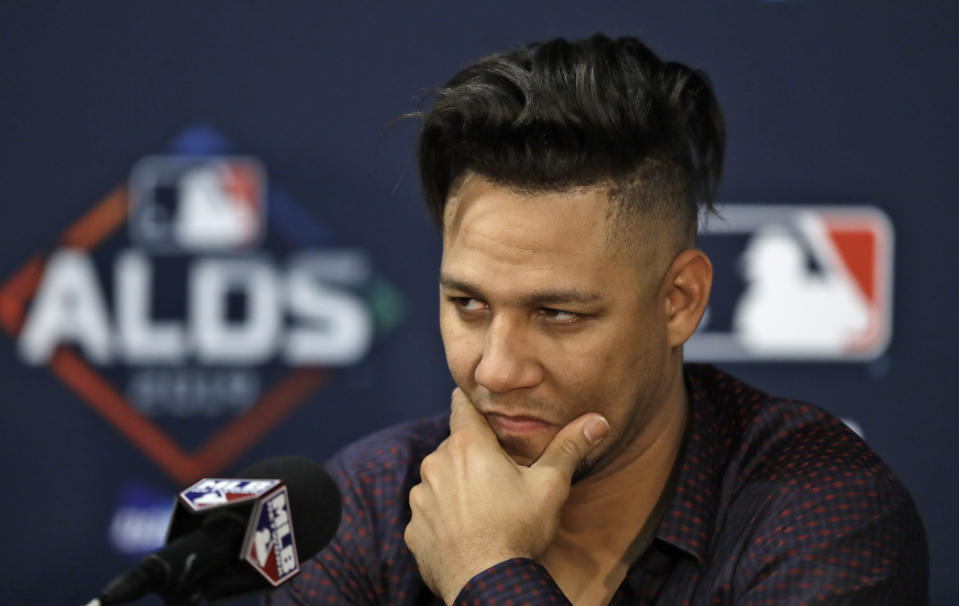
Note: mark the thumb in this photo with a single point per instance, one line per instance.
(573, 443)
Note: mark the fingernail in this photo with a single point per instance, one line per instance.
(596, 429)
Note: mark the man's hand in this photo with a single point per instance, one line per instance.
(475, 507)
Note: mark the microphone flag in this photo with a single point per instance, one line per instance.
(264, 504)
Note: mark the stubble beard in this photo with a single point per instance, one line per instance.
(614, 447)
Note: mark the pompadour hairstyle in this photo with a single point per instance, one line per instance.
(561, 114)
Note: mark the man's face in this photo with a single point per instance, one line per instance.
(543, 319)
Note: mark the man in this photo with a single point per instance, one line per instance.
(582, 462)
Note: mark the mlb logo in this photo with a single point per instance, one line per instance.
(797, 283)
(216, 492)
(270, 546)
(198, 204)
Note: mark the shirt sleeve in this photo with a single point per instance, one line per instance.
(844, 539)
(520, 582)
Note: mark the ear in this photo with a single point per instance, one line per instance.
(686, 293)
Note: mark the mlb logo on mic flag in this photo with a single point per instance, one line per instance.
(270, 546)
(797, 283)
(216, 492)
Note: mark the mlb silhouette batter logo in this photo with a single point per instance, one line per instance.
(196, 204)
(797, 283)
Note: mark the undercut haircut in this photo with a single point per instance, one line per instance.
(596, 112)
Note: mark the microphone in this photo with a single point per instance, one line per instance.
(249, 538)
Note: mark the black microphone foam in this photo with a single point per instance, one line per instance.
(205, 561)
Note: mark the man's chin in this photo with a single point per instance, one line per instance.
(521, 451)
(521, 460)
(585, 468)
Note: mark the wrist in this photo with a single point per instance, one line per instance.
(474, 572)
(522, 579)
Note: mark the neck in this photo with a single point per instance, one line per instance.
(630, 488)
(602, 523)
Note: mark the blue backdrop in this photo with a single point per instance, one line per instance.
(827, 104)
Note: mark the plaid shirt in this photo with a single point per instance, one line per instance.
(774, 502)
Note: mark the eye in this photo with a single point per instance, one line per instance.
(560, 315)
(468, 304)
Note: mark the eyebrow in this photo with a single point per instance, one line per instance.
(537, 298)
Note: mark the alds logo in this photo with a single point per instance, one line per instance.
(797, 283)
(222, 303)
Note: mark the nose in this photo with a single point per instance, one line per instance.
(508, 361)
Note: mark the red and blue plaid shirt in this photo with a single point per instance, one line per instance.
(774, 502)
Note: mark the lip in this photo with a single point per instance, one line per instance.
(516, 425)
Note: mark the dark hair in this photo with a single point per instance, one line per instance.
(563, 114)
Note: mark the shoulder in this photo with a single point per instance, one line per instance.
(793, 460)
(803, 495)
(782, 441)
(389, 455)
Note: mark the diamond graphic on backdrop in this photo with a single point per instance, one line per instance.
(813, 283)
(226, 306)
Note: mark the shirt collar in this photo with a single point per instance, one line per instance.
(687, 520)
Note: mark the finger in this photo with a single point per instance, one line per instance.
(571, 445)
(417, 498)
(465, 417)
